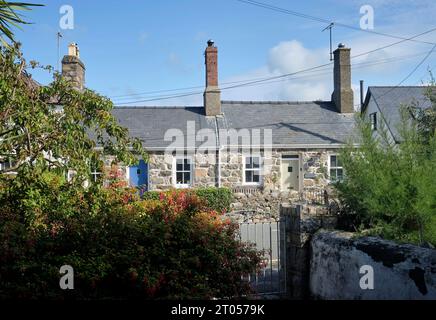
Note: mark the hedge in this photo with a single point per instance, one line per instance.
(218, 199)
(121, 247)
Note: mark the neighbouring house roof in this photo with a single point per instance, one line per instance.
(388, 100)
(293, 124)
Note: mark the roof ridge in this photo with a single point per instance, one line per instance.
(156, 107)
(278, 102)
(399, 87)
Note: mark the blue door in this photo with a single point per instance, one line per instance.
(139, 175)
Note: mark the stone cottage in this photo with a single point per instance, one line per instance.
(267, 152)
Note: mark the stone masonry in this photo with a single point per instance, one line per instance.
(264, 198)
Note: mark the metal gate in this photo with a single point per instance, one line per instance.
(269, 237)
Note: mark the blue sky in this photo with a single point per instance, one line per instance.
(130, 47)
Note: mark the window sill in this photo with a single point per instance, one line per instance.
(182, 186)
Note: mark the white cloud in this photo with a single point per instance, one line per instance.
(284, 58)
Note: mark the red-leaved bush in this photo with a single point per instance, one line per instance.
(119, 245)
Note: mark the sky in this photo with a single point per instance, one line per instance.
(133, 48)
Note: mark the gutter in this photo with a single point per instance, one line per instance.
(274, 146)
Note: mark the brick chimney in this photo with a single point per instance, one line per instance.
(342, 95)
(212, 93)
(73, 68)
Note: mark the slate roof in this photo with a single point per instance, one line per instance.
(293, 124)
(389, 100)
(151, 123)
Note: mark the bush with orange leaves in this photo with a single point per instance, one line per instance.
(119, 245)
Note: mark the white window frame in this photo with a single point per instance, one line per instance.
(10, 164)
(244, 158)
(95, 174)
(337, 167)
(373, 121)
(174, 173)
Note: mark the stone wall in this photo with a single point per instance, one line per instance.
(400, 271)
(265, 198)
(160, 171)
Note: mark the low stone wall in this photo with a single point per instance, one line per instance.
(399, 271)
(260, 201)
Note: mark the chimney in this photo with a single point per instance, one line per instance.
(73, 68)
(342, 95)
(212, 93)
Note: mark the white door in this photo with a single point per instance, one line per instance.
(290, 174)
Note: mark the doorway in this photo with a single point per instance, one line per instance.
(290, 170)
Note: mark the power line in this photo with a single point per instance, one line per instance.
(267, 80)
(234, 86)
(410, 73)
(393, 44)
(322, 20)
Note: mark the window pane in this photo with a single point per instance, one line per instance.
(187, 165)
(179, 177)
(339, 174)
(338, 162)
(248, 176)
(256, 176)
(332, 161)
(187, 177)
(332, 174)
(248, 163)
(256, 162)
(179, 166)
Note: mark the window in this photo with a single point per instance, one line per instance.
(373, 120)
(252, 170)
(335, 168)
(5, 165)
(96, 175)
(183, 172)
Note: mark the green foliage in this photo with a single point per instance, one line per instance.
(119, 245)
(217, 199)
(425, 117)
(391, 187)
(51, 127)
(10, 17)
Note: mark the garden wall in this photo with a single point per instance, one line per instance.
(400, 271)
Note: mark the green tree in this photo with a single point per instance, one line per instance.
(390, 188)
(54, 127)
(10, 17)
(425, 118)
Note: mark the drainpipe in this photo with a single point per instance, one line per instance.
(219, 147)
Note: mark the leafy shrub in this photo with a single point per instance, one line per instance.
(120, 246)
(390, 188)
(218, 199)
